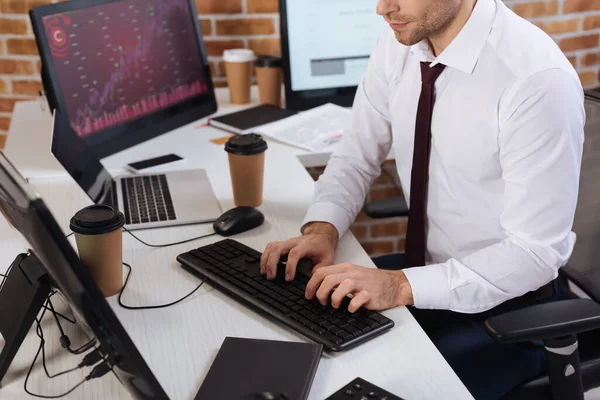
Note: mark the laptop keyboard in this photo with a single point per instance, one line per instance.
(147, 199)
(235, 269)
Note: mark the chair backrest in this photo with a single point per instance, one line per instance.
(584, 264)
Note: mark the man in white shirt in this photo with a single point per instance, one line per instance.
(485, 116)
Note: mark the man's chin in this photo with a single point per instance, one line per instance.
(406, 38)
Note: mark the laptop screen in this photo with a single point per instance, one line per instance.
(118, 61)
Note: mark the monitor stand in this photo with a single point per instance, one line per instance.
(23, 294)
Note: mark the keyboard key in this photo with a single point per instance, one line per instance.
(344, 335)
(332, 338)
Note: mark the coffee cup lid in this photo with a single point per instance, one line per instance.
(238, 55)
(268, 61)
(97, 220)
(246, 145)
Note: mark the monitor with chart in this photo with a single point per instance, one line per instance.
(124, 71)
(326, 47)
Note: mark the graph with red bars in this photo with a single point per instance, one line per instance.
(122, 60)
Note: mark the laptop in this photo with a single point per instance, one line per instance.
(147, 200)
(118, 73)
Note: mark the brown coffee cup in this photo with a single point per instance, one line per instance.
(100, 243)
(239, 68)
(269, 77)
(247, 168)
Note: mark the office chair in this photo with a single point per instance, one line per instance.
(570, 329)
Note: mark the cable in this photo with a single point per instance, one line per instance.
(152, 307)
(169, 244)
(69, 235)
(65, 342)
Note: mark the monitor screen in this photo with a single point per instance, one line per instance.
(330, 42)
(118, 61)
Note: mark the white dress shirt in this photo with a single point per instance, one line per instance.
(507, 139)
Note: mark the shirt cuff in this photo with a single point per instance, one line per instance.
(429, 286)
(328, 212)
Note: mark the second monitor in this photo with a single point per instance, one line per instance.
(326, 47)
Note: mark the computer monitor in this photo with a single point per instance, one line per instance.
(326, 47)
(124, 71)
(26, 211)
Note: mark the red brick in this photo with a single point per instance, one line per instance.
(263, 6)
(588, 78)
(246, 26)
(8, 103)
(20, 6)
(16, 67)
(401, 245)
(21, 46)
(591, 22)
(38, 66)
(363, 217)
(580, 42)
(219, 6)
(217, 47)
(575, 6)
(394, 228)
(360, 231)
(2, 141)
(590, 59)
(536, 9)
(3, 86)
(220, 83)
(378, 248)
(559, 26)
(383, 194)
(4, 123)
(29, 88)
(14, 26)
(206, 26)
(573, 61)
(265, 46)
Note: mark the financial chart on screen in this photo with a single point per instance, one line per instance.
(120, 61)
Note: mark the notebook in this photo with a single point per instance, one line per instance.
(246, 368)
(243, 122)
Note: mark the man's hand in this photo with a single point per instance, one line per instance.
(373, 289)
(318, 243)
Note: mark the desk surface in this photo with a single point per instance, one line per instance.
(179, 343)
(30, 133)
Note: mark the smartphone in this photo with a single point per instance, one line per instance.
(151, 163)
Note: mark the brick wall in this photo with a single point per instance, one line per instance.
(574, 24)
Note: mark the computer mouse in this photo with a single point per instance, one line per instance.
(238, 220)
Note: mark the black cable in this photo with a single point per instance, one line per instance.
(64, 339)
(152, 307)
(169, 244)
(69, 235)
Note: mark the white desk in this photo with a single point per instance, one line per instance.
(30, 133)
(179, 343)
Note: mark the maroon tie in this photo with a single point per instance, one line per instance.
(415, 236)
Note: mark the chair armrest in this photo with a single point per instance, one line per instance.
(545, 321)
(394, 207)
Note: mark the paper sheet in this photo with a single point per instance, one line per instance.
(311, 130)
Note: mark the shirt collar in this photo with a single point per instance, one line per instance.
(463, 52)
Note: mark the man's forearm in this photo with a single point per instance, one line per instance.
(322, 228)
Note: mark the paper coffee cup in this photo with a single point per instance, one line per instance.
(247, 168)
(100, 243)
(269, 77)
(239, 68)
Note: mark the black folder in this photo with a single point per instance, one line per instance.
(246, 369)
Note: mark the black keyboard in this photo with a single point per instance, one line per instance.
(235, 269)
(360, 389)
(147, 199)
